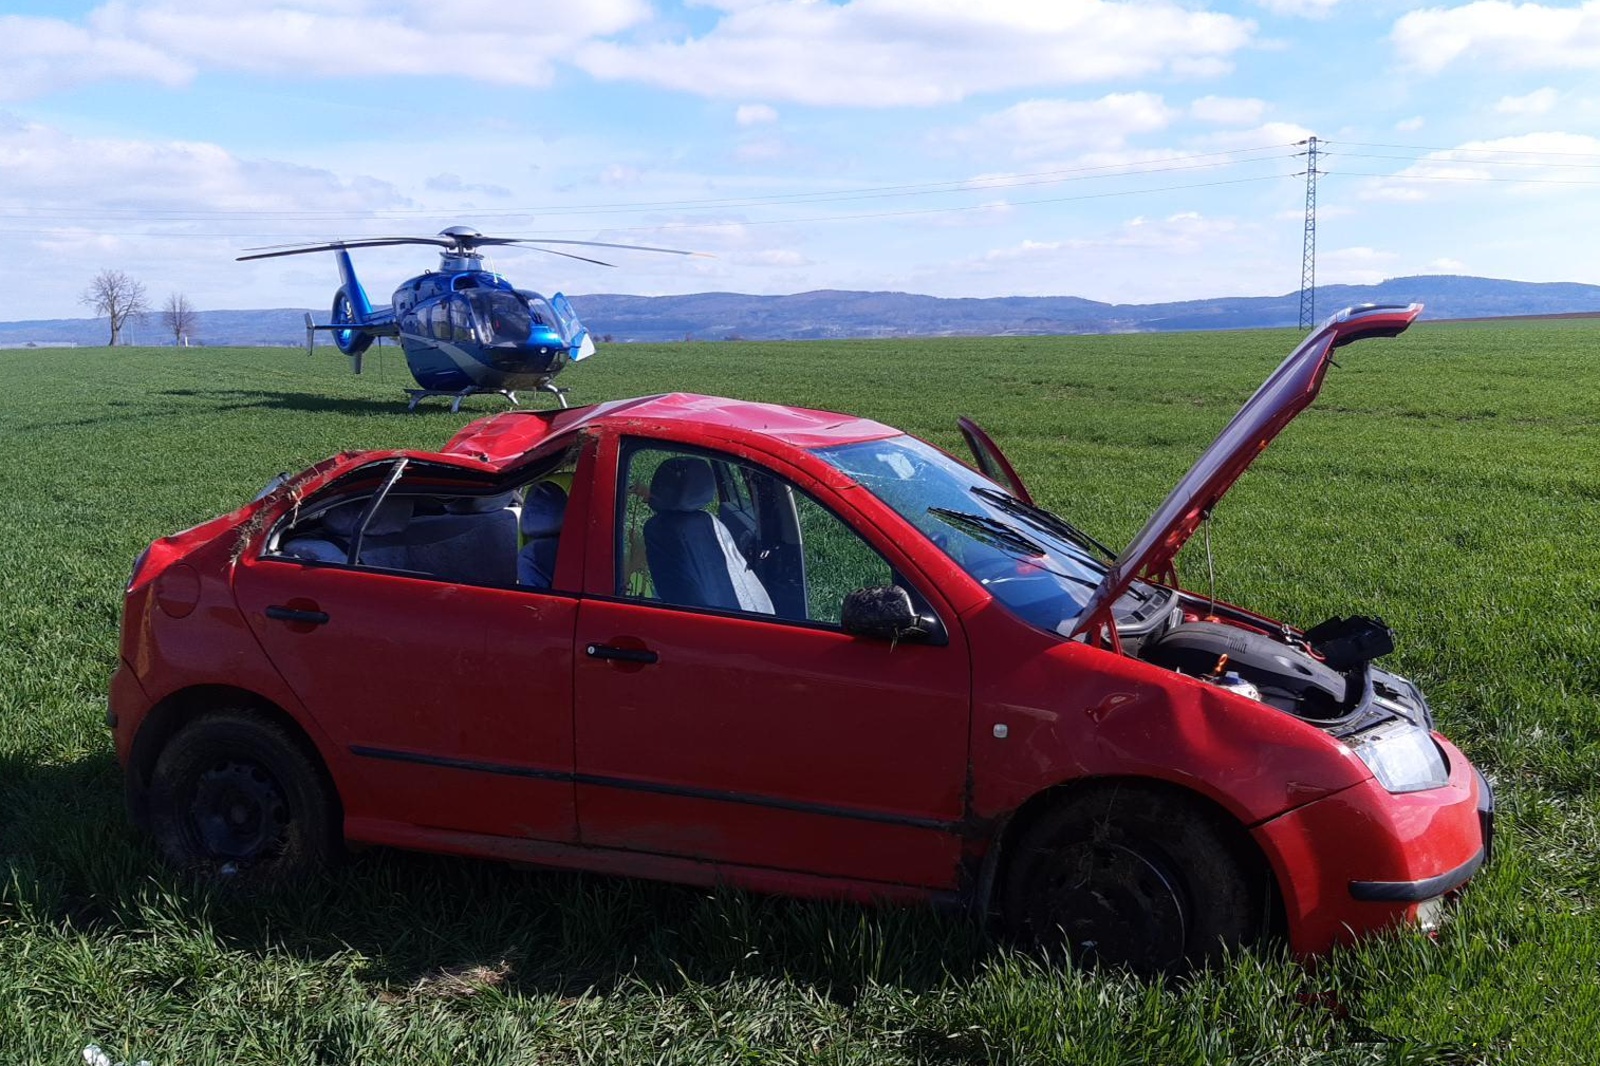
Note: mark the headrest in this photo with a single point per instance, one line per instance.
(543, 510)
(479, 504)
(682, 483)
(392, 516)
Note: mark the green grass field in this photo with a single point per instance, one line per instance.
(1448, 480)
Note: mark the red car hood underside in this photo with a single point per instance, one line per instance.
(1288, 391)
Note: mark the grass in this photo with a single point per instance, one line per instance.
(1447, 480)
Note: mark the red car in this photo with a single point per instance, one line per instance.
(713, 641)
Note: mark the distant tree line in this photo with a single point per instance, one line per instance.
(121, 299)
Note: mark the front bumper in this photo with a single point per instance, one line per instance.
(1365, 859)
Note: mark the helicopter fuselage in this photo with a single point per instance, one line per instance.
(472, 328)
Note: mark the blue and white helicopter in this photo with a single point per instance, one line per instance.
(465, 330)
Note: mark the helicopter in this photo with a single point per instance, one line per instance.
(465, 330)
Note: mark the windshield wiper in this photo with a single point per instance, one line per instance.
(1008, 539)
(1049, 522)
(989, 530)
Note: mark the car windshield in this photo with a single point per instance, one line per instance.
(1028, 559)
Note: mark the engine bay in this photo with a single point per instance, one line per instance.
(1323, 675)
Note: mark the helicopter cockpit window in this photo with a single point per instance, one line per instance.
(503, 317)
(450, 319)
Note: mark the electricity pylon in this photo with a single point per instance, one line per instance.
(1308, 254)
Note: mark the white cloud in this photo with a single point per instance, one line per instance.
(1266, 135)
(988, 213)
(1538, 102)
(1411, 125)
(170, 42)
(1359, 265)
(761, 149)
(452, 183)
(618, 174)
(1518, 36)
(754, 114)
(1306, 8)
(44, 55)
(1542, 160)
(773, 258)
(1199, 255)
(885, 53)
(1228, 110)
(45, 169)
(172, 213)
(1448, 266)
(1036, 128)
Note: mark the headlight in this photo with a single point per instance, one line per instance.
(1403, 757)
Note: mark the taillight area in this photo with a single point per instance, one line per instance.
(154, 560)
(138, 565)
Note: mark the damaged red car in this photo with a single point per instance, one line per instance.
(713, 641)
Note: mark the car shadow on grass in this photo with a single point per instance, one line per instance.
(439, 927)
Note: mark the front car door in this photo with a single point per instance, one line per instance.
(754, 731)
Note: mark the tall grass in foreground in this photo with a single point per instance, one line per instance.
(1448, 480)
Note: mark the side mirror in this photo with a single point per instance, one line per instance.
(884, 613)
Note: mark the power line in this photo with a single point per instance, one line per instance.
(1506, 151)
(1474, 162)
(765, 222)
(1460, 177)
(1198, 161)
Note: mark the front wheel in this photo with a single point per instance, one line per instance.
(1134, 877)
(233, 796)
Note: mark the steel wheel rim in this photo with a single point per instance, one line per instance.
(238, 812)
(1116, 905)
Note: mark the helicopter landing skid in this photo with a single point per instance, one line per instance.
(456, 396)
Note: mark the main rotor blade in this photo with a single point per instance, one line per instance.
(569, 255)
(590, 244)
(274, 250)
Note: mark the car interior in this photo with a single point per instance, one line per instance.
(424, 526)
(696, 530)
(704, 530)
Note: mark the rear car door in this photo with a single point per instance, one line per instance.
(451, 699)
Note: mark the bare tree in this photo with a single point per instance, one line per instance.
(117, 296)
(178, 317)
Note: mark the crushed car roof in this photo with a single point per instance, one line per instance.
(505, 436)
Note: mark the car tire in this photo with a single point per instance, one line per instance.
(1137, 877)
(233, 797)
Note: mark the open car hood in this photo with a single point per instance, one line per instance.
(1288, 391)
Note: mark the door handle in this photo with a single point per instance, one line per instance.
(280, 613)
(624, 655)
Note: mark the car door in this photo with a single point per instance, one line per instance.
(763, 735)
(451, 700)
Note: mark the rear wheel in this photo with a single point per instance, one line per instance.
(233, 796)
(1135, 877)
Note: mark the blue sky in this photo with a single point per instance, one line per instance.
(1124, 151)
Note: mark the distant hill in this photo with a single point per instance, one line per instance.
(834, 314)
